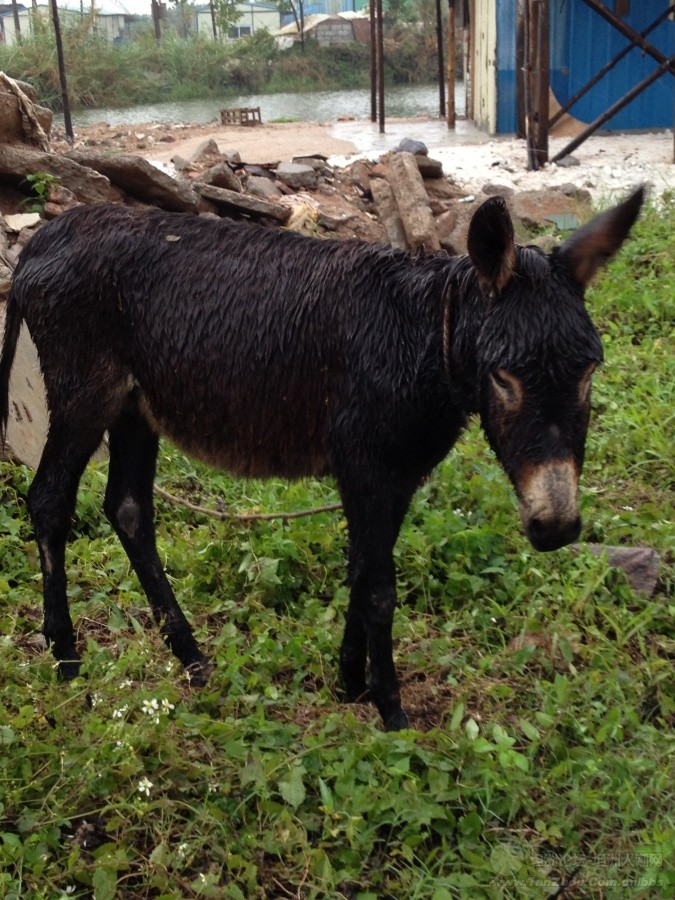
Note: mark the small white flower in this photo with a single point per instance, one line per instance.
(120, 712)
(166, 706)
(70, 889)
(181, 850)
(150, 707)
(213, 787)
(95, 700)
(127, 683)
(144, 786)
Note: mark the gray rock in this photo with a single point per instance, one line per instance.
(262, 187)
(429, 168)
(567, 162)
(409, 145)
(221, 175)
(87, 185)
(296, 175)
(497, 190)
(139, 178)
(207, 150)
(640, 564)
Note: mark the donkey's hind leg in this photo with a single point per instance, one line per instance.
(51, 501)
(129, 506)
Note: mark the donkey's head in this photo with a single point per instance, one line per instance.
(537, 350)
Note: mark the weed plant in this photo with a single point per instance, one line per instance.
(540, 686)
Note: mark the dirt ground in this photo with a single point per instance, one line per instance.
(608, 165)
(256, 144)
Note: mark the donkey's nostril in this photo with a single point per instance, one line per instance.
(536, 526)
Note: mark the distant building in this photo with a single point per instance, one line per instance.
(343, 28)
(254, 16)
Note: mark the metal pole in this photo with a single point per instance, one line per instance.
(62, 73)
(380, 66)
(610, 65)
(615, 108)
(451, 64)
(441, 67)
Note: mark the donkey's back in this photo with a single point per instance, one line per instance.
(244, 345)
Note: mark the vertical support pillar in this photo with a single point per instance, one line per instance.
(451, 64)
(373, 63)
(62, 73)
(441, 66)
(380, 66)
(538, 77)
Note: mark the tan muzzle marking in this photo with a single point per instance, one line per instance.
(550, 493)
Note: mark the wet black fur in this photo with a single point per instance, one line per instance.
(271, 354)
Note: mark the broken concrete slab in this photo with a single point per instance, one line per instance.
(139, 178)
(87, 185)
(387, 210)
(297, 176)
(21, 220)
(412, 201)
(221, 175)
(429, 168)
(243, 205)
(261, 187)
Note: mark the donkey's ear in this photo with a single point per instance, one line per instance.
(591, 246)
(490, 243)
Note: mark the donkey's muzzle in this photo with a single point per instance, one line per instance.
(549, 504)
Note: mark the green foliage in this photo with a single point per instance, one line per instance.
(40, 185)
(541, 685)
(102, 74)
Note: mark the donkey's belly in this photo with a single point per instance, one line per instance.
(282, 445)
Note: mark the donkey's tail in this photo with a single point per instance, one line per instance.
(13, 320)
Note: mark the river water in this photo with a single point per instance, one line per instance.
(317, 106)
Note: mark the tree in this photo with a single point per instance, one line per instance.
(226, 14)
(297, 8)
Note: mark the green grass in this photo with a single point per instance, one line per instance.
(540, 686)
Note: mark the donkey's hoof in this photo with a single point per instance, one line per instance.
(199, 672)
(397, 721)
(68, 669)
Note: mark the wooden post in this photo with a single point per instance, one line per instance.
(451, 64)
(441, 67)
(154, 9)
(67, 121)
(521, 70)
(380, 66)
(213, 20)
(373, 63)
(17, 22)
(538, 47)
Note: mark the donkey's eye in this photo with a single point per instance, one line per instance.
(507, 388)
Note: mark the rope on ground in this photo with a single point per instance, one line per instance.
(225, 515)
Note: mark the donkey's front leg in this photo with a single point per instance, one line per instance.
(373, 528)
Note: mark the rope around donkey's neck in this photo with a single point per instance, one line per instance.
(225, 515)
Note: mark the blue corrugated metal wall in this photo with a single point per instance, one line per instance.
(582, 42)
(506, 66)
